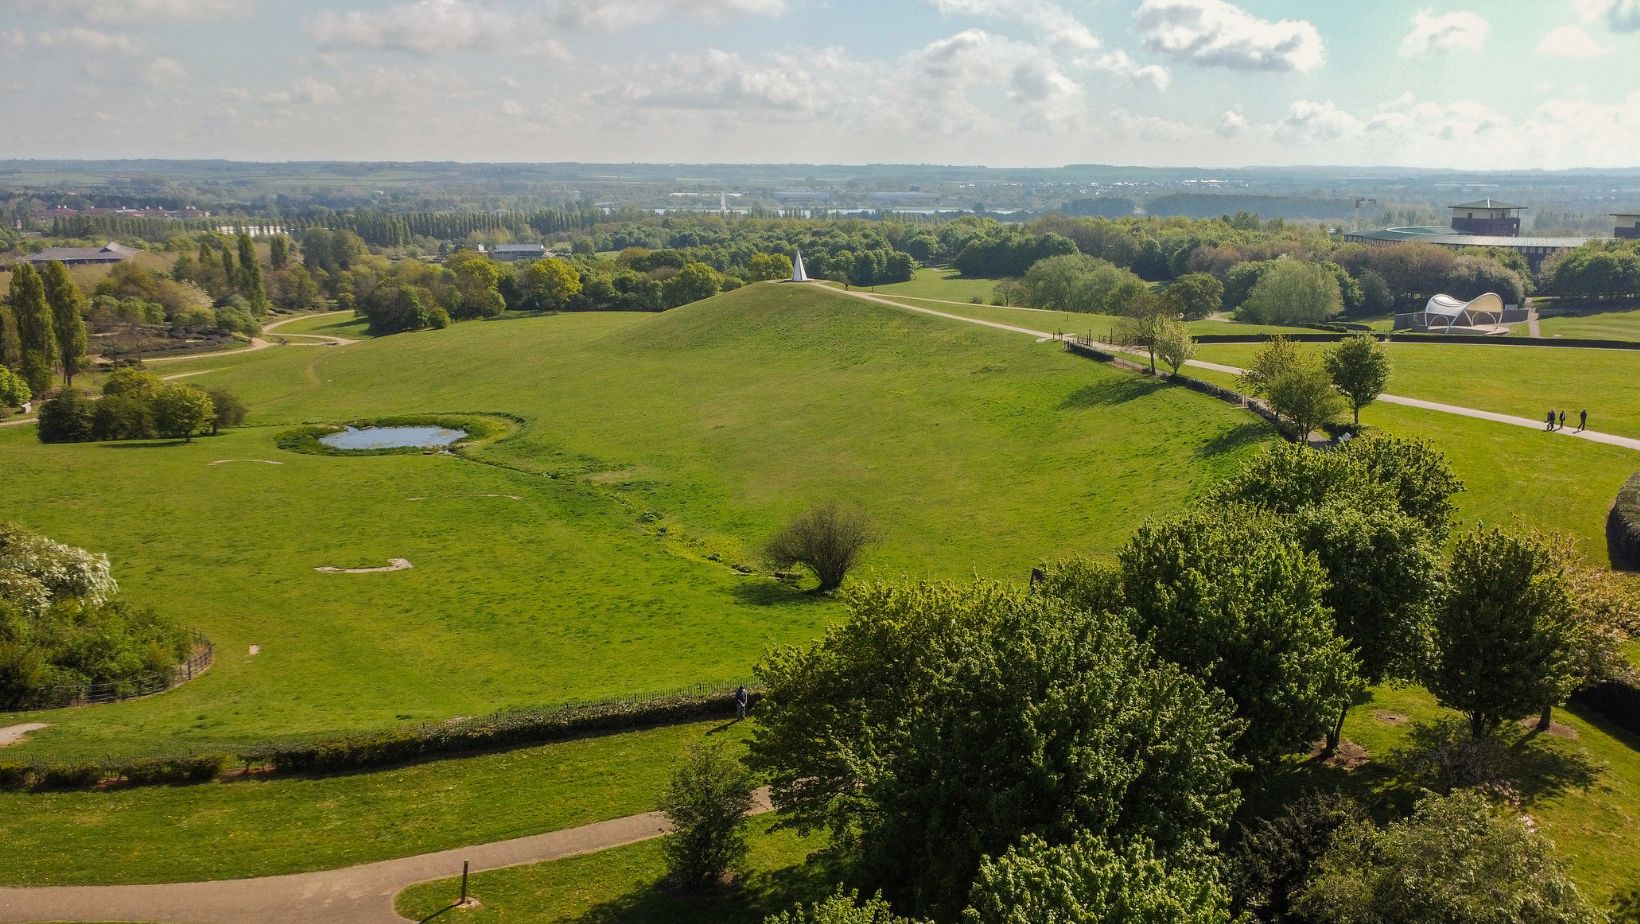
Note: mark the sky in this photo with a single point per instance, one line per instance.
(1500, 84)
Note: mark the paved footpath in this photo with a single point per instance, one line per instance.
(352, 895)
(1590, 435)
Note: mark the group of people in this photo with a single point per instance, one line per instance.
(1582, 420)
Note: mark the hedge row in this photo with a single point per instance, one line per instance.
(513, 728)
(1623, 526)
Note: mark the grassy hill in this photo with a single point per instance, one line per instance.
(656, 451)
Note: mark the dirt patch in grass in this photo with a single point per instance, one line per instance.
(393, 564)
(1555, 728)
(17, 734)
(1348, 756)
(1390, 718)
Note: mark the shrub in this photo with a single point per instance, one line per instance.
(67, 418)
(68, 776)
(841, 908)
(1624, 526)
(706, 801)
(1273, 857)
(827, 540)
(191, 768)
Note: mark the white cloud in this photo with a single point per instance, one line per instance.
(1459, 30)
(1150, 76)
(621, 14)
(512, 108)
(1618, 15)
(428, 27)
(1308, 120)
(162, 70)
(1570, 42)
(1053, 24)
(134, 11)
(1214, 32)
(1232, 122)
(85, 39)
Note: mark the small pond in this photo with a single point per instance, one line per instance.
(392, 437)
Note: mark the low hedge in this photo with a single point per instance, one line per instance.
(479, 427)
(1623, 526)
(499, 731)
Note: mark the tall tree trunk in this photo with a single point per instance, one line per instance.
(1335, 734)
(1545, 718)
(1477, 726)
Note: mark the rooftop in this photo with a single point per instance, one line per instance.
(1487, 204)
(110, 252)
(1458, 239)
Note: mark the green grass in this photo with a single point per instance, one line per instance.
(1615, 323)
(1523, 381)
(269, 827)
(328, 324)
(652, 445)
(1081, 323)
(627, 885)
(942, 283)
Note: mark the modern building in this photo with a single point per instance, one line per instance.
(1628, 226)
(1447, 315)
(1488, 217)
(513, 253)
(82, 256)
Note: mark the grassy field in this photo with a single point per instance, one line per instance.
(941, 282)
(268, 827)
(1616, 323)
(335, 325)
(1523, 381)
(626, 885)
(1081, 323)
(658, 450)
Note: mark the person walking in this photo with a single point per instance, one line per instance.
(1582, 420)
(1551, 420)
(741, 699)
(1562, 420)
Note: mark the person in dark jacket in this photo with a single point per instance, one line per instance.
(741, 699)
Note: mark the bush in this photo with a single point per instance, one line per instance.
(827, 540)
(68, 418)
(192, 768)
(706, 801)
(842, 908)
(67, 776)
(1273, 857)
(1623, 527)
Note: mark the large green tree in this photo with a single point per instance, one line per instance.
(1195, 295)
(182, 410)
(36, 335)
(1293, 292)
(1303, 396)
(68, 308)
(1229, 596)
(706, 802)
(1506, 633)
(1456, 860)
(1090, 879)
(1359, 367)
(14, 392)
(248, 280)
(940, 723)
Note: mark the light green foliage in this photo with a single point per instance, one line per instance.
(1418, 476)
(1359, 367)
(1303, 395)
(60, 571)
(1195, 295)
(1080, 283)
(1228, 596)
(706, 802)
(549, 284)
(475, 279)
(68, 307)
(182, 410)
(1090, 879)
(694, 282)
(942, 722)
(1506, 633)
(14, 392)
(1292, 292)
(1276, 356)
(768, 266)
(131, 382)
(841, 908)
(1456, 860)
(1174, 345)
(36, 336)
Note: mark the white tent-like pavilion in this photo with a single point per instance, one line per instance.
(1445, 314)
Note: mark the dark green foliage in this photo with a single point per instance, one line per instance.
(229, 410)
(68, 307)
(1624, 529)
(1272, 857)
(279, 251)
(1229, 596)
(706, 801)
(69, 417)
(1089, 879)
(827, 540)
(1195, 295)
(36, 334)
(1009, 251)
(47, 658)
(841, 908)
(392, 309)
(148, 771)
(941, 723)
(123, 417)
(1506, 632)
(1456, 860)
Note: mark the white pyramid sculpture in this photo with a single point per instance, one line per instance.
(798, 275)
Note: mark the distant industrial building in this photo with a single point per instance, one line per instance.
(1484, 223)
(1628, 226)
(513, 253)
(802, 197)
(82, 256)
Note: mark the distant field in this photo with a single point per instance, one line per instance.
(335, 325)
(1524, 381)
(1615, 324)
(940, 282)
(658, 451)
(1081, 323)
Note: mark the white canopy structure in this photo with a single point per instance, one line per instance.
(798, 275)
(1444, 313)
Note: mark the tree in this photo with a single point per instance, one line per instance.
(706, 802)
(1276, 356)
(124, 417)
(181, 410)
(68, 308)
(1144, 319)
(549, 285)
(939, 723)
(1505, 634)
(36, 336)
(228, 411)
(691, 284)
(1455, 860)
(14, 392)
(67, 418)
(1228, 596)
(1359, 367)
(1417, 475)
(11, 352)
(1090, 879)
(826, 540)
(279, 252)
(1606, 610)
(249, 279)
(1304, 395)
(1273, 857)
(1195, 295)
(842, 908)
(1174, 345)
(132, 382)
(1292, 292)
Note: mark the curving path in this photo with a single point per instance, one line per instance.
(1592, 436)
(351, 895)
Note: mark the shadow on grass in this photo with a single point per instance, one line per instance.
(1110, 392)
(1242, 435)
(747, 902)
(1442, 756)
(142, 444)
(757, 592)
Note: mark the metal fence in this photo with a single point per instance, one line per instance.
(85, 694)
